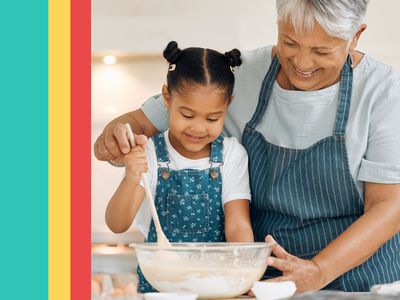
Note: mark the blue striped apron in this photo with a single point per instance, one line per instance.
(305, 198)
(188, 202)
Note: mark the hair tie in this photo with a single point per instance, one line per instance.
(172, 67)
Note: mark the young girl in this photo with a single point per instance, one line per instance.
(199, 178)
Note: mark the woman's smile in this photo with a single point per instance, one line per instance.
(305, 74)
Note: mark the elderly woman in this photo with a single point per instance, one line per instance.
(321, 124)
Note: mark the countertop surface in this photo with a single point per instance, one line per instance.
(322, 295)
(333, 295)
(338, 295)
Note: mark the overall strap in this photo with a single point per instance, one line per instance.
(346, 84)
(216, 154)
(161, 148)
(265, 92)
(216, 157)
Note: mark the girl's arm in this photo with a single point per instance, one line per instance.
(237, 221)
(127, 199)
(123, 206)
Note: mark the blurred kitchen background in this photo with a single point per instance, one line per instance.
(128, 37)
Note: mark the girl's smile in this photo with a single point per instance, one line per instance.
(194, 139)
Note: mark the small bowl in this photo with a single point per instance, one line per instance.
(210, 270)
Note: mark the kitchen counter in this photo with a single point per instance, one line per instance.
(337, 295)
(332, 295)
(321, 295)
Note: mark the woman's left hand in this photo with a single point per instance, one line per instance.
(305, 273)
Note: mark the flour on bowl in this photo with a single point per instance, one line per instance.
(205, 281)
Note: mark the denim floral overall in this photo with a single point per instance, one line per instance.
(188, 202)
(305, 198)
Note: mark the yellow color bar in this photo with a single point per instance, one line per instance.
(59, 149)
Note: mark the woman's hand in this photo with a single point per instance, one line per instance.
(135, 164)
(113, 143)
(305, 273)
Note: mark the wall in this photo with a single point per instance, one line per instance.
(117, 89)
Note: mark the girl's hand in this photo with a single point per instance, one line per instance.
(135, 164)
(305, 273)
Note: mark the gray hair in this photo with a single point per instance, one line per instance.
(339, 18)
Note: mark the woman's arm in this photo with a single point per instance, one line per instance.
(237, 222)
(380, 222)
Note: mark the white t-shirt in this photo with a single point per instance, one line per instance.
(234, 171)
(297, 119)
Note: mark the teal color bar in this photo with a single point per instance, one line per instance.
(24, 149)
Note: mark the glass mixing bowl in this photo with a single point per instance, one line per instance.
(211, 270)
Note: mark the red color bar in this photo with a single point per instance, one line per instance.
(80, 148)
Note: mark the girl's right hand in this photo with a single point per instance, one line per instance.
(135, 164)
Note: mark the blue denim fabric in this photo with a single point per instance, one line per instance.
(188, 202)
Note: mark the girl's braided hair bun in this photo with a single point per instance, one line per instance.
(172, 52)
(234, 57)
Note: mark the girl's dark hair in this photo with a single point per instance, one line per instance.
(200, 66)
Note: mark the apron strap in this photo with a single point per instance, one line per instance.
(346, 85)
(265, 92)
(342, 114)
